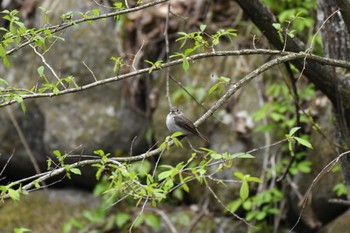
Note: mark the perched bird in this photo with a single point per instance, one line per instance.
(176, 121)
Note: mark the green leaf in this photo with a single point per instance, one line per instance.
(176, 134)
(57, 153)
(3, 81)
(261, 215)
(18, 98)
(224, 79)
(242, 155)
(118, 5)
(75, 171)
(139, 220)
(49, 163)
(41, 70)
(303, 142)
(251, 215)
(340, 189)
(213, 88)
(293, 130)
(216, 41)
(164, 144)
(121, 218)
(273, 211)
(185, 64)
(99, 171)
(202, 27)
(304, 166)
(244, 191)
(56, 90)
(189, 51)
(100, 153)
(14, 194)
(277, 26)
(216, 156)
(233, 206)
(247, 205)
(239, 175)
(96, 12)
(254, 179)
(164, 174)
(177, 142)
(23, 107)
(2, 51)
(153, 221)
(277, 117)
(21, 230)
(36, 184)
(185, 187)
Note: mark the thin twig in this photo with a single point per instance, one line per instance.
(319, 29)
(127, 4)
(93, 75)
(227, 209)
(312, 42)
(7, 162)
(131, 146)
(339, 201)
(137, 57)
(184, 88)
(326, 169)
(166, 219)
(103, 6)
(24, 141)
(140, 213)
(196, 219)
(192, 148)
(47, 65)
(158, 160)
(167, 51)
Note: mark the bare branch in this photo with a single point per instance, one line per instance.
(137, 57)
(93, 75)
(166, 219)
(167, 50)
(7, 162)
(288, 56)
(47, 65)
(24, 141)
(326, 169)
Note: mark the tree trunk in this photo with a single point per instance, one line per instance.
(336, 44)
(335, 86)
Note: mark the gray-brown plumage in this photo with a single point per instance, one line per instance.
(176, 121)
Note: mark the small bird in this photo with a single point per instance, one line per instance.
(176, 121)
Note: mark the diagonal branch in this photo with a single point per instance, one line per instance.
(294, 56)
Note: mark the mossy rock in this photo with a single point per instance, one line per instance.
(45, 211)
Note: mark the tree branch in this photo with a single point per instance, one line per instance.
(71, 23)
(294, 56)
(264, 19)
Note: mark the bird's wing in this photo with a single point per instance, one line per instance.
(186, 124)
